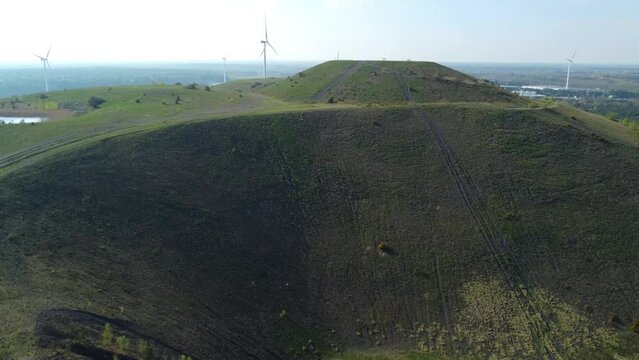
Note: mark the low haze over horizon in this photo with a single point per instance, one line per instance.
(444, 31)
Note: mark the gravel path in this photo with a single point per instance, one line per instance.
(499, 246)
(338, 81)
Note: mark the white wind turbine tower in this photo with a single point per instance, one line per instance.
(224, 59)
(570, 62)
(264, 43)
(45, 64)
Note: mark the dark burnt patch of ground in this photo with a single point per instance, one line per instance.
(81, 333)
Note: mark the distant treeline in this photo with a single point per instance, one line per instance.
(581, 93)
(611, 108)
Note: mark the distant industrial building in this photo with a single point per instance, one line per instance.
(529, 94)
(525, 91)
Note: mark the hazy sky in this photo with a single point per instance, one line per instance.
(437, 30)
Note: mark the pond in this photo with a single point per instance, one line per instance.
(20, 120)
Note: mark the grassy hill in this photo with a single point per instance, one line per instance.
(465, 228)
(381, 82)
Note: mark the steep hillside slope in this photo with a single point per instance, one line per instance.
(458, 231)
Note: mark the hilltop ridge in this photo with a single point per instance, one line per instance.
(382, 82)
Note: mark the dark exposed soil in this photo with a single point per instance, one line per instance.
(258, 237)
(81, 331)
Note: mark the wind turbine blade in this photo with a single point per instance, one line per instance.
(48, 64)
(573, 55)
(48, 52)
(265, 30)
(38, 56)
(262, 53)
(269, 44)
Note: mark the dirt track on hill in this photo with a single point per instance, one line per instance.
(77, 136)
(403, 86)
(55, 142)
(338, 81)
(510, 267)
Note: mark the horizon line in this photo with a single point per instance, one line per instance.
(253, 61)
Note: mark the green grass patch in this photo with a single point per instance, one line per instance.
(382, 355)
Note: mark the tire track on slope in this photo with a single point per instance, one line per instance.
(403, 86)
(442, 298)
(500, 249)
(53, 143)
(338, 81)
(76, 136)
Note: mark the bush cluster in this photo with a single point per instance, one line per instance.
(95, 102)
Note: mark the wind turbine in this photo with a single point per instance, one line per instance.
(338, 49)
(570, 62)
(264, 43)
(45, 64)
(224, 59)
